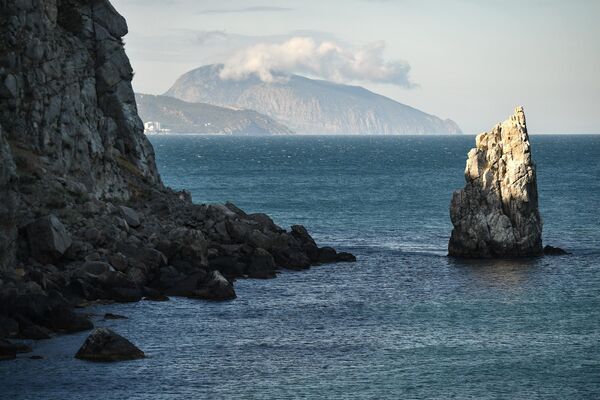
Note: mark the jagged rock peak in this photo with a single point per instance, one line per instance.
(496, 214)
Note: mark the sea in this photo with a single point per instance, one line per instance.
(403, 322)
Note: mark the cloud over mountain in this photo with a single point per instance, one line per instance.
(324, 59)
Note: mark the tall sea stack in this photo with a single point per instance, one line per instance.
(496, 214)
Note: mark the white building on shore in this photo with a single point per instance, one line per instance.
(154, 128)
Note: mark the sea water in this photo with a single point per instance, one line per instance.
(403, 322)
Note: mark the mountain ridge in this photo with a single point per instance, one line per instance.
(308, 105)
(183, 117)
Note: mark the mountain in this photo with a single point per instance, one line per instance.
(183, 117)
(308, 105)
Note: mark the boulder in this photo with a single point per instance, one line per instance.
(327, 255)
(114, 316)
(554, 251)
(496, 214)
(306, 241)
(215, 288)
(262, 265)
(9, 350)
(48, 239)
(105, 345)
(62, 319)
(345, 257)
(130, 216)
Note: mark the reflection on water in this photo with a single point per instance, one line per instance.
(509, 274)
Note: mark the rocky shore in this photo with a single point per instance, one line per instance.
(84, 216)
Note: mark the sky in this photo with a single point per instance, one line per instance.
(471, 61)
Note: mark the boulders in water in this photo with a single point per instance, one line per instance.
(105, 345)
(554, 251)
(48, 238)
(496, 214)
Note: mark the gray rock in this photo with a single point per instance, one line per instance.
(262, 265)
(496, 214)
(216, 288)
(105, 345)
(48, 239)
(131, 216)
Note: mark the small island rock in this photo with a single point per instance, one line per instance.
(496, 214)
(105, 345)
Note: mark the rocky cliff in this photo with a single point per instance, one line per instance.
(308, 105)
(84, 216)
(183, 117)
(496, 214)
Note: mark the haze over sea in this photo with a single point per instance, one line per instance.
(405, 321)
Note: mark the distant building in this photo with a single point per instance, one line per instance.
(154, 128)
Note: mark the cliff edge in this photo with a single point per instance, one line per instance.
(496, 214)
(84, 216)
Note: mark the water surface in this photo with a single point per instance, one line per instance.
(405, 321)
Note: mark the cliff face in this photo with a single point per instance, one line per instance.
(83, 214)
(8, 232)
(67, 107)
(310, 106)
(496, 214)
(183, 117)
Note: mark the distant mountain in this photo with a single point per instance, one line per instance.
(183, 117)
(310, 106)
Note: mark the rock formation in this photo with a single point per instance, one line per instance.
(309, 105)
(496, 214)
(84, 216)
(105, 345)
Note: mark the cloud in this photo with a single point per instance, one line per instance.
(245, 10)
(324, 59)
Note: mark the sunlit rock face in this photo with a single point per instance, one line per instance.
(496, 214)
(67, 108)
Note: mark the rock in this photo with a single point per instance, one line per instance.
(496, 214)
(114, 316)
(345, 257)
(130, 216)
(8, 327)
(9, 350)
(8, 205)
(64, 320)
(94, 268)
(554, 251)
(105, 345)
(327, 255)
(306, 241)
(156, 297)
(36, 358)
(48, 239)
(216, 288)
(262, 265)
(34, 332)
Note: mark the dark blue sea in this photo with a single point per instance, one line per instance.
(404, 322)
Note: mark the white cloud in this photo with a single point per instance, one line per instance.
(324, 59)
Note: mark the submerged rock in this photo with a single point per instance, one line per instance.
(554, 251)
(496, 214)
(106, 345)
